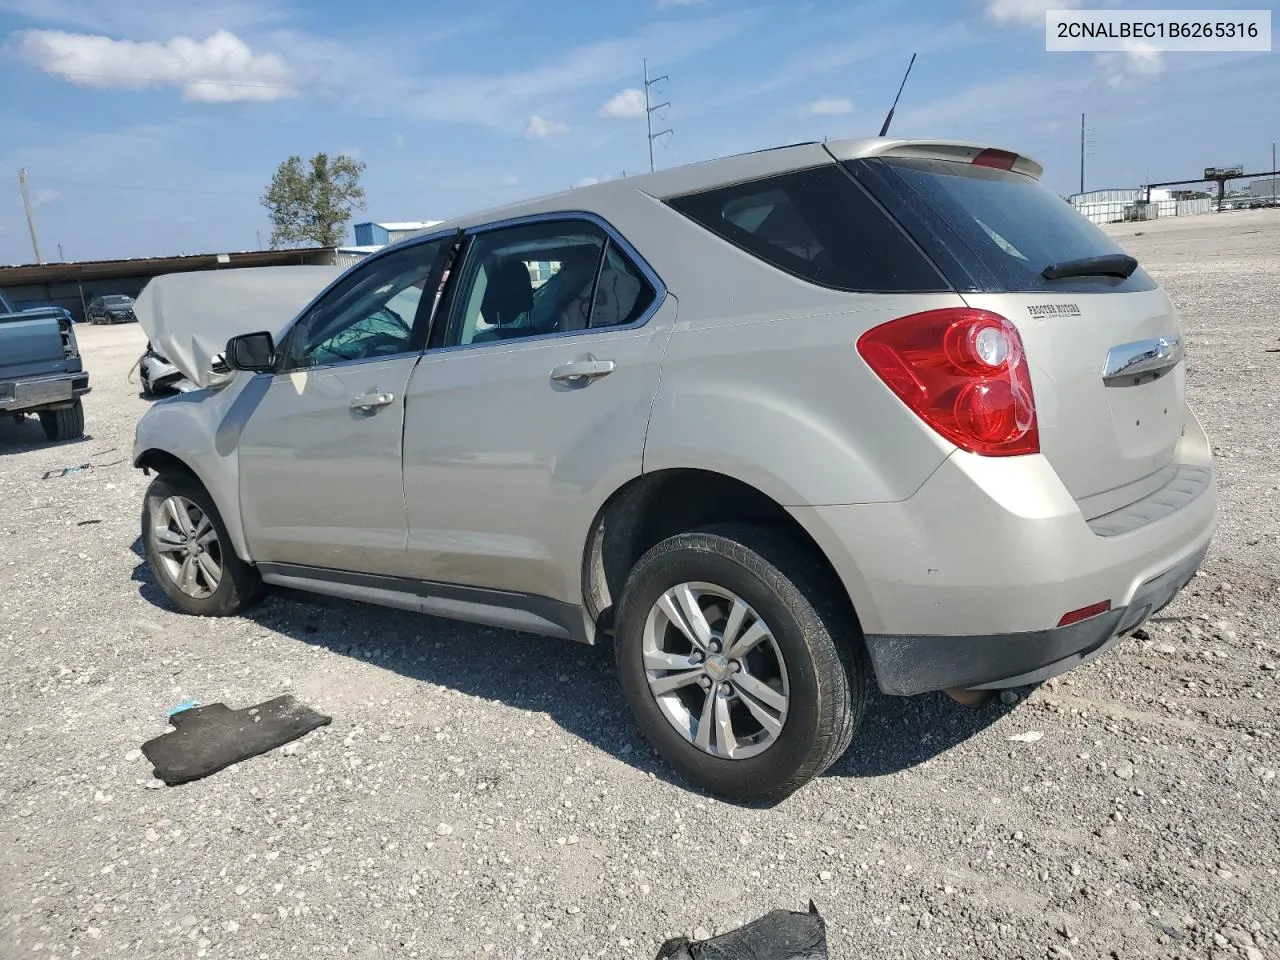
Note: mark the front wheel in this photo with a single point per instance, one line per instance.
(737, 665)
(189, 552)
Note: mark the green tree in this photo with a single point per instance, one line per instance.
(311, 202)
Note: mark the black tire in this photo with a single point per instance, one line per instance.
(64, 424)
(239, 587)
(817, 635)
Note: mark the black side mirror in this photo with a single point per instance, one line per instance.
(255, 352)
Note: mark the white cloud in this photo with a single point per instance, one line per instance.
(1139, 62)
(667, 4)
(540, 128)
(587, 182)
(219, 69)
(828, 107)
(185, 218)
(1025, 13)
(625, 105)
(152, 19)
(508, 182)
(42, 196)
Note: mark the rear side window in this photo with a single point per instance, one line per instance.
(1002, 227)
(622, 292)
(818, 225)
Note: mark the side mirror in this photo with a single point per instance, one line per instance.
(255, 352)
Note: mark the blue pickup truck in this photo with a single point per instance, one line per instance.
(40, 369)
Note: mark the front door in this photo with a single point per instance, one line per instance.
(320, 457)
(533, 408)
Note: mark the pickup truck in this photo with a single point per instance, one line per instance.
(40, 369)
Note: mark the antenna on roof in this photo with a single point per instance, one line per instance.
(884, 131)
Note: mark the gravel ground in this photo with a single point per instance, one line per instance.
(483, 794)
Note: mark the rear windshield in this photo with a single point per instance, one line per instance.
(117, 301)
(1002, 227)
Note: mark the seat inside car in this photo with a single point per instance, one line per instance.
(508, 295)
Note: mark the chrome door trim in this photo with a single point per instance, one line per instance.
(1154, 355)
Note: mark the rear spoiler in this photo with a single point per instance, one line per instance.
(957, 151)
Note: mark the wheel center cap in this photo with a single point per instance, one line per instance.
(717, 666)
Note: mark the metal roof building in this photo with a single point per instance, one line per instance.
(381, 233)
(73, 284)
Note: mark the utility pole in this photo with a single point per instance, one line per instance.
(650, 109)
(1273, 173)
(61, 257)
(1082, 153)
(31, 223)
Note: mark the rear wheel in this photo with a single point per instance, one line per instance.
(64, 424)
(190, 553)
(736, 664)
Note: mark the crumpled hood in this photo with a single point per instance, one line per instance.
(189, 317)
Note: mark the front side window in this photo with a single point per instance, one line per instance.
(370, 315)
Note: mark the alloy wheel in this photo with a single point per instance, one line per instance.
(715, 670)
(187, 546)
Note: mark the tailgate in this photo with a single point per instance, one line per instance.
(30, 346)
(1102, 341)
(1109, 386)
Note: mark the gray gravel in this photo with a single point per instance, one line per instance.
(482, 794)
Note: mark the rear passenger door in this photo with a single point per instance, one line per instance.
(533, 405)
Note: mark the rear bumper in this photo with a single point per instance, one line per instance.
(911, 665)
(983, 561)
(42, 393)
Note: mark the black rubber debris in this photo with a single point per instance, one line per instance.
(778, 935)
(212, 738)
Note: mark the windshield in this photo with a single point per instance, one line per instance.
(1004, 227)
(117, 301)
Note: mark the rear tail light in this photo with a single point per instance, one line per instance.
(964, 373)
(69, 346)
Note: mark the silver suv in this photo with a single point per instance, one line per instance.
(781, 425)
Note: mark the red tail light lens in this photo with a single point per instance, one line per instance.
(1085, 613)
(1000, 159)
(964, 373)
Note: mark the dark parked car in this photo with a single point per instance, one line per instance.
(114, 308)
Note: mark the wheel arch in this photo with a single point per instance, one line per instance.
(663, 503)
(160, 462)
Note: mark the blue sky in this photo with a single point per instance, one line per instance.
(151, 127)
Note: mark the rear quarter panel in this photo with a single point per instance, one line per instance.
(762, 380)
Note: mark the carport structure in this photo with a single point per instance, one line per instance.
(73, 284)
(1220, 177)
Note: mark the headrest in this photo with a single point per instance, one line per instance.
(509, 292)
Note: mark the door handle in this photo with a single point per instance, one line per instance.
(371, 401)
(580, 371)
(1143, 357)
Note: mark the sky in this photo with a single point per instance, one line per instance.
(152, 127)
